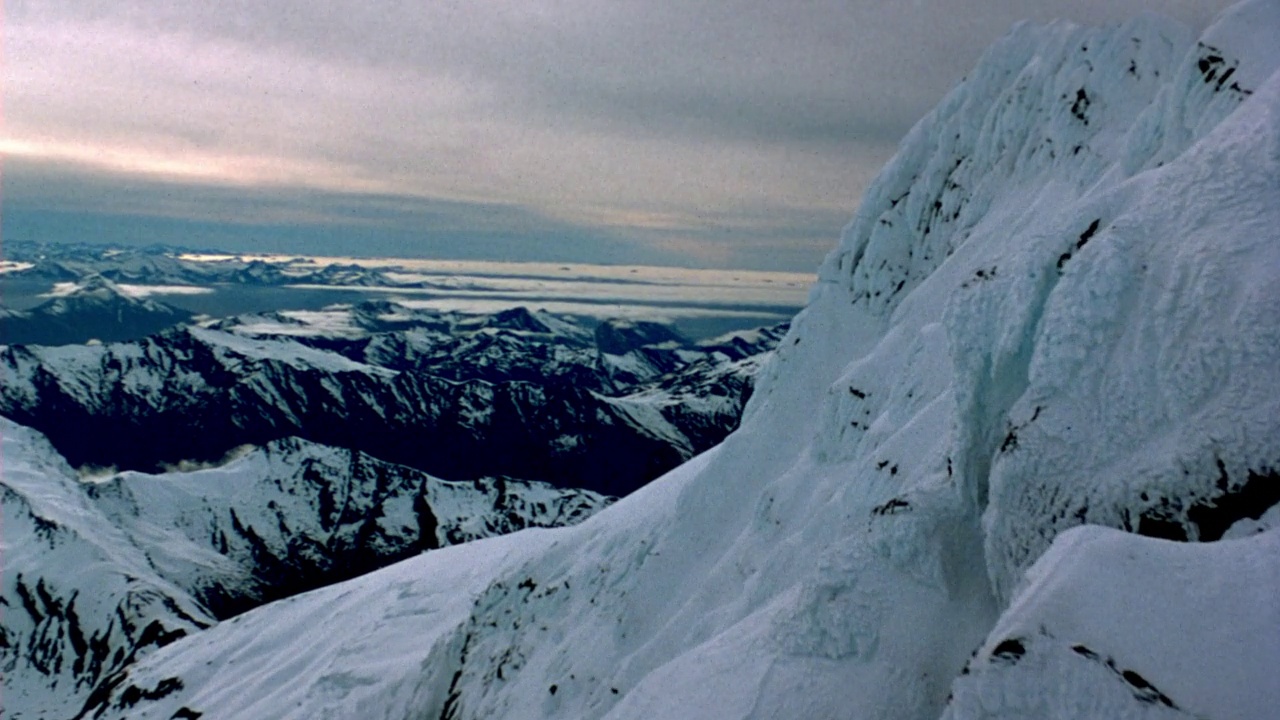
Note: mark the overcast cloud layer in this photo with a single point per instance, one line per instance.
(731, 134)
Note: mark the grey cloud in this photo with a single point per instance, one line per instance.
(566, 109)
(67, 204)
(736, 64)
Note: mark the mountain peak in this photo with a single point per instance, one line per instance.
(93, 302)
(98, 287)
(618, 336)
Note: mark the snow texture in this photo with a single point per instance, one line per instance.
(1056, 307)
(97, 574)
(1101, 602)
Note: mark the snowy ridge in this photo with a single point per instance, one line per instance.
(1100, 588)
(98, 574)
(160, 265)
(111, 311)
(519, 393)
(1013, 339)
(80, 601)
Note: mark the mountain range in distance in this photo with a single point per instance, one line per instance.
(700, 303)
(166, 471)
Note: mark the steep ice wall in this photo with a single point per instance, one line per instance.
(1057, 305)
(1106, 309)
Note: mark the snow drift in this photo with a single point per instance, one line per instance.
(1056, 307)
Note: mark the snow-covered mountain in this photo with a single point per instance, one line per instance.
(1018, 457)
(97, 573)
(95, 307)
(167, 265)
(514, 394)
(514, 344)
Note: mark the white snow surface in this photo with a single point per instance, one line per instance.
(66, 289)
(9, 266)
(1101, 602)
(101, 588)
(1058, 305)
(89, 562)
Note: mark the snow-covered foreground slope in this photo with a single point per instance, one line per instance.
(95, 575)
(1057, 306)
(1201, 621)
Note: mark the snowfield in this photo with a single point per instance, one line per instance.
(978, 479)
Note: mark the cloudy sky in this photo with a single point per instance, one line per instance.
(735, 133)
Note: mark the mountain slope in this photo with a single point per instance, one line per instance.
(96, 574)
(96, 304)
(510, 394)
(1057, 305)
(80, 601)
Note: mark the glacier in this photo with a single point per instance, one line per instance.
(1018, 457)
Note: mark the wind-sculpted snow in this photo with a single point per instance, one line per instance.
(97, 574)
(1111, 619)
(518, 394)
(1056, 307)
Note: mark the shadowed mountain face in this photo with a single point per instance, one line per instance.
(517, 394)
(97, 308)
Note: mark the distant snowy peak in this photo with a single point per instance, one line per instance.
(96, 290)
(96, 286)
(93, 306)
(744, 343)
(97, 574)
(370, 318)
(162, 265)
(522, 318)
(617, 336)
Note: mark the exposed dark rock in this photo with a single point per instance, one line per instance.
(1009, 650)
(1258, 494)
